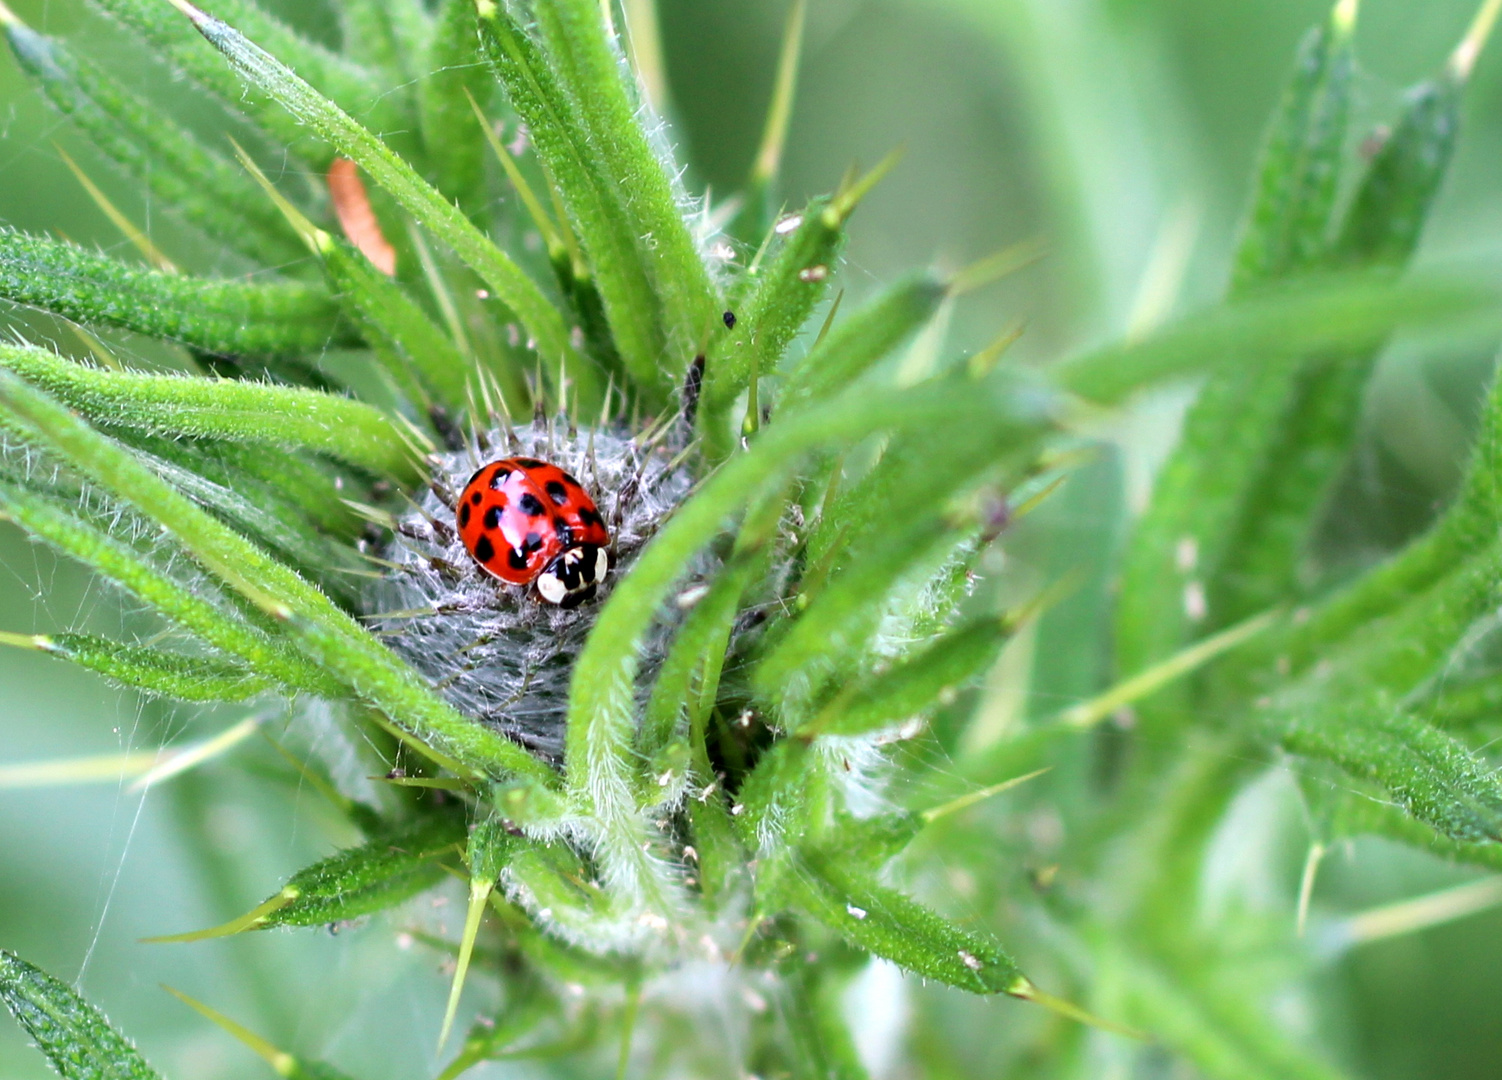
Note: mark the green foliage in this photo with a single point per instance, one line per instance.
(154, 670)
(363, 880)
(347, 84)
(201, 184)
(74, 1035)
(216, 316)
(287, 417)
(265, 73)
(889, 924)
(590, 201)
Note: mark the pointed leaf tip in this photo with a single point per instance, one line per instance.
(1463, 59)
(1023, 988)
(850, 195)
(284, 1063)
(199, 18)
(774, 136)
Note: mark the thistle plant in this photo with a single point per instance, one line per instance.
(729, 767)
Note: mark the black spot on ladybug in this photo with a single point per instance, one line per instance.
(464, 516)
(569, 479)
(499, 478)
(529, 462)
(530, 505)
(493, 518)
(517, 559)
(590, 517)
(729, 318)
(557, 492)
(484, 550)
(475, 498)
(533, 542)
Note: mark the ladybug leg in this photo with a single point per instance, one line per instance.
(448, 431)
(446, 495)
(447, 570)
(624, 498)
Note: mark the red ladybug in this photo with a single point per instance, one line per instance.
(526, 521)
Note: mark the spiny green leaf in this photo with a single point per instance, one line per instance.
(350, 86)
(1201, 493)
(247, 506)
(1431, 775)
(312, 486)
(187, 678)
(1351, 814)
(778, 805)
(590, 70)
(1392, 204)
(419, 357)
(897, 928)
(915, 477)
(1381, 229)
(1316, 314)
(705, 630)
(353, 883)
(169, 160)
(511, 286)
(843, 615)
(1466, 529)
(914, 686)
(366, 879)
(592, 204)
(372, 671)
(454, 73)
(283, 416)
(1395, 648)
(781, 298)
(259, 508)
(185, 606)
(215, 315)
(868, 844)
(75, 1036)
(1301, 161)
(396, 326)
(863, 338)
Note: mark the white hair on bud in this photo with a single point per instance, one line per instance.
(496, 651)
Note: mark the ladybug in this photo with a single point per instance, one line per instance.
(528, 522)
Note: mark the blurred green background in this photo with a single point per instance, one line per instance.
(1121, 134)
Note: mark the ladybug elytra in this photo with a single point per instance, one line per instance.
(528, 522)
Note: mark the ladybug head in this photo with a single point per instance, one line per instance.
(573, 575)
